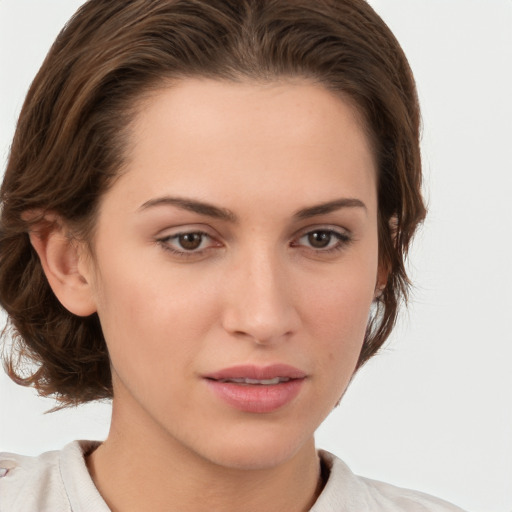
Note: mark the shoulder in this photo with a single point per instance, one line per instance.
(345, 492)
(51, 481)
(31, 483)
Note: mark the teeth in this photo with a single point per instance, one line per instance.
(262, 382)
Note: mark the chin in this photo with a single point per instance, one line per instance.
(261, 451)
(254, 460)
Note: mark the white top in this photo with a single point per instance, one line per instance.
(58, 481)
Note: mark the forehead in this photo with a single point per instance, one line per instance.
(201, 137)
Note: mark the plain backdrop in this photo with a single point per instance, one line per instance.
(434, 410)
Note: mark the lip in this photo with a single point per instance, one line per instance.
(256, 398)
(257, 372)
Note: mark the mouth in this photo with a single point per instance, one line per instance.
(252, 374)
(256, 382)
(256, 389)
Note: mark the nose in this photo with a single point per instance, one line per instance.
(260, 300)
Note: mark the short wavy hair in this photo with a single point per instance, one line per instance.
(70, 144)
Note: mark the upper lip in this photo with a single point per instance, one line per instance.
(257, 372)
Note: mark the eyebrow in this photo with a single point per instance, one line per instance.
(210, 210)
(331, 206)
(192, 205)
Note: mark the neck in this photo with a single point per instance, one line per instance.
(140, 468)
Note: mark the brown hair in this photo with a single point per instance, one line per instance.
(71, 137)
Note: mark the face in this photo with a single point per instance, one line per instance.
(235, 264)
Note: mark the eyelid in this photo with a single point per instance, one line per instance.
(172, 229)
(166, 236)
(336, 229)
(343, 236)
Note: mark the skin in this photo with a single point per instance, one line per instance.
(256, 291)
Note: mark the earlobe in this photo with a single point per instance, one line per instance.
(381, 281)
(60, 257)
(379, 290)
(380, 285)
(385, 269)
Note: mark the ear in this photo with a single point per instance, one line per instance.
(62, 259)
(384, 268)
(381, 282)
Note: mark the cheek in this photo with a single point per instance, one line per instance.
(337, 318)
(151, 319)
(339, 329)
(341, 301)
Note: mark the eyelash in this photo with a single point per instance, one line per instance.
(343, 240)
(164, 242)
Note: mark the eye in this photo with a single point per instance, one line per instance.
(319, 239)
(188, 243)
(323, 240)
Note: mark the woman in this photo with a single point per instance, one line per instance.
(205, 216)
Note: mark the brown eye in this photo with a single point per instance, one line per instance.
(319, 239)
(190, 241)
(189, 244)
(323, 241)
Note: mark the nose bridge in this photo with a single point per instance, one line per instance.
(260, 305)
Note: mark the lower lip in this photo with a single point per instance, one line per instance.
(256, 398)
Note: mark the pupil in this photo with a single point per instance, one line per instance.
(190, 241)
(319, 239)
